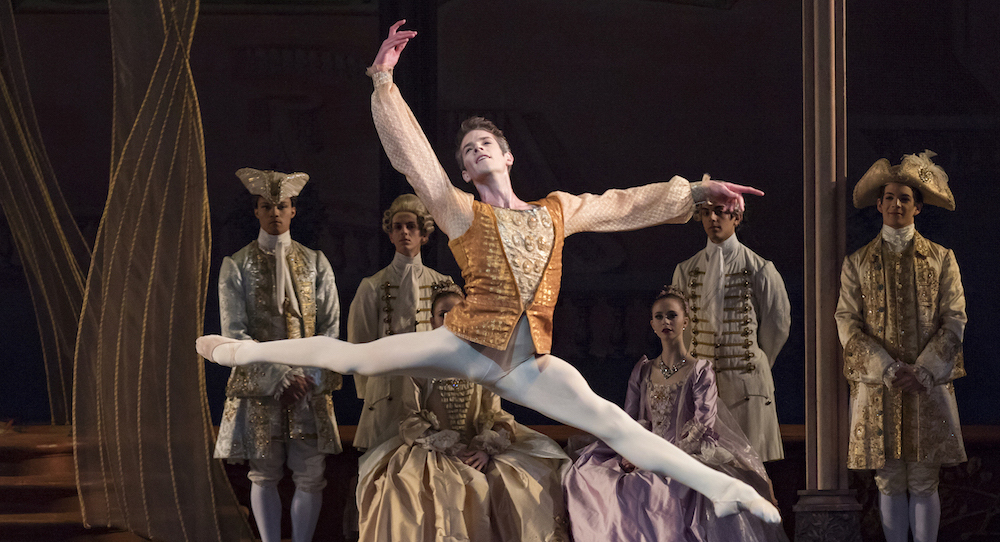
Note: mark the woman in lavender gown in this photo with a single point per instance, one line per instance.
(675, 397)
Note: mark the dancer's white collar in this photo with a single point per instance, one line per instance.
(897, 239)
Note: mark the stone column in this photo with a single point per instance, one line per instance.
(827, 510)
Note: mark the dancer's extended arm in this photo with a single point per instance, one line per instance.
(635, 208)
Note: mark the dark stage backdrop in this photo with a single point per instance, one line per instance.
(593, 95)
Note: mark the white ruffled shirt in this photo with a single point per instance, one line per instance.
(409, 270)
(279, 245)
(897, 239)
(715, 278)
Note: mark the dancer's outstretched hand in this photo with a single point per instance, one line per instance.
(388, 53)
(728, 195)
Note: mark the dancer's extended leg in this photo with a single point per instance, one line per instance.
(436, 353)
(555, 388)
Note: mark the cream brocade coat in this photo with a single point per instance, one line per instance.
(908, 306)
(377, 312)
(756, 317)
(252, 416)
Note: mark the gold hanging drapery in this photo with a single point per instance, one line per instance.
(142, 428)
(51, 248)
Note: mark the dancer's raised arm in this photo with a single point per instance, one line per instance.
(406, 145)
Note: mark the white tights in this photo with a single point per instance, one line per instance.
(266, 506)
(902, 513)
(545, 383)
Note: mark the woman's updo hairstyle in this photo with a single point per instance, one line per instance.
(676, 293)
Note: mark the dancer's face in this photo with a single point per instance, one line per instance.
(898, 205)
(443, 305)
(719, 224)
(405, 234)
(668, 320)
(482, 155)
(274, 219)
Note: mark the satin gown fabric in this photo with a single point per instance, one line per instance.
(607, 504)
(414, 488)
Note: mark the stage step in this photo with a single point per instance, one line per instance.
(38, 497)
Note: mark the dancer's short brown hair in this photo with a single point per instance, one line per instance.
(478, 123)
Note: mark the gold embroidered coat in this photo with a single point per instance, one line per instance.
(908, 307)
(252, 416)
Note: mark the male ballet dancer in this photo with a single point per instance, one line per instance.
(510, 253)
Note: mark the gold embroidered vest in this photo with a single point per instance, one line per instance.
(493, 303)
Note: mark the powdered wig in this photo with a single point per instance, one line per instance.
(409, 203)
(478, 123)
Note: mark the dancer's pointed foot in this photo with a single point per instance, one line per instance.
(218, 349)
(740, 496)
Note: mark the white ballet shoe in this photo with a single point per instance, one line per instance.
(740, 496)
(207, 346)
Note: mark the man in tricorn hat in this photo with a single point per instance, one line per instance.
(275, 288)
(901, 318)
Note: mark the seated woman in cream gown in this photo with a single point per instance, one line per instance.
(460, 469)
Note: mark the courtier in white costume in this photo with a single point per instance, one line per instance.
(275, 288)
(740, 318)
(395, 300)
(510, 253)
(901, 319)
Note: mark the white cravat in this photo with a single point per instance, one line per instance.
(715, 280)
(899, 239)
(279, 245)
(409, 271)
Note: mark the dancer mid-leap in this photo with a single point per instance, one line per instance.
(510, 253)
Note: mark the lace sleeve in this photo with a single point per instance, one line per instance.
(411, 154)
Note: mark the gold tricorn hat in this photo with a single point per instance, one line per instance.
(916, 171)
(273, 186)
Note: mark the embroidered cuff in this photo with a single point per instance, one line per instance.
(380, 75)
(691, 436)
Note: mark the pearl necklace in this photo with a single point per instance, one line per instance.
(670, 371)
